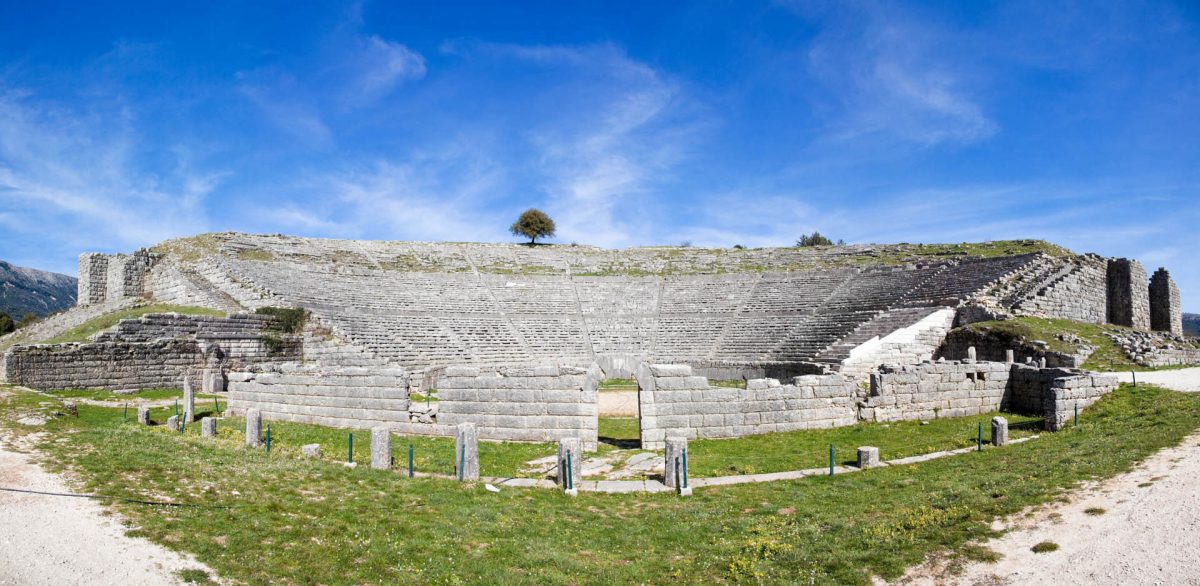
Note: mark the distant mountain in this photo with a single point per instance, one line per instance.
(1191, 323)
(32, 291)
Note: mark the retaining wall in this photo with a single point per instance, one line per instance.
(673, 401)
(522, 403)
(356, 397)
(105, 365)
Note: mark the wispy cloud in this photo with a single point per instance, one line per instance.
(896, 78)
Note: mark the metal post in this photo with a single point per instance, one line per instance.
(1077, 413)
(980, 439)
(268, 438)
(462, 462)
(570, 472)
(685, 468)
(350, 448)
(831, 459)
(125, 417)
(177, 407)
(1134, 373)
(410, 461)
(216, 407)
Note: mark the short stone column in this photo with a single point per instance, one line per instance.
(868, 457)
(311, 450)
(208, 427)
(381, 448)
(143, 415)
(173, 423)
(1042, 362)
(971, 354)
(466, 452)
(213, 381)
(999, 431)
(189, 399)
(675, 465)
(253, 428)
(570, 460)
(1009, 356)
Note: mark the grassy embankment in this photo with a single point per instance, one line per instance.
(1107, 357)
(259, 518)
(87, 329)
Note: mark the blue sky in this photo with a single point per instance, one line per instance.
(631, 123)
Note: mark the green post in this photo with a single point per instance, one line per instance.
(1077, 413)
(183, 426)
(410, 461)
(1134, 373)
(685, 467)
(268, 438)
(570, 473)
(979, 440)
(462, 462)
(831, 459)
(216, 407)
(177, 407)
(125, 417)
(350, 447)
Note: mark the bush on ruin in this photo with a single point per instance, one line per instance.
(533, 224)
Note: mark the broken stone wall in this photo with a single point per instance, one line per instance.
(1128, 294)
(356, 397)
(1166, 306)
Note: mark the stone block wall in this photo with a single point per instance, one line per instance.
(106, 365)
(522, 403)
(355, 397)
(1128, 294)
(1166, 307)
(936, 389)
(1080, 293)
(991, 347)
(673, 401)
(1069, 392)
(909, 345)
(111, 277)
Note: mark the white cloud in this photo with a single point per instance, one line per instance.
(897, 78)
(379, 66)
(76, 174)
(288, 105)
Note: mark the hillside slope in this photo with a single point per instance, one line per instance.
(41, 293)
(1191, 323)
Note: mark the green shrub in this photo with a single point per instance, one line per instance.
(288, 320)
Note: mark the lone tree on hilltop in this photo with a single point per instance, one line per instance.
(816, 239)
(533, 224)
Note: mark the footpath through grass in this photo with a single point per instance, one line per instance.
(87, 329)
(262, 519)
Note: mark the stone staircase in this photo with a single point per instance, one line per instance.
(883, 324)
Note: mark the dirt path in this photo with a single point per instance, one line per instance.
(1147, 533)
(46, 539)
(1184, 379)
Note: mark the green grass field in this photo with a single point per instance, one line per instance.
(269, 519)
(87, 329)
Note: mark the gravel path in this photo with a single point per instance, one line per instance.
(46, 539)
(1148, 532)
(1184, 379)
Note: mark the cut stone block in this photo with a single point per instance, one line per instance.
(144, 415)
(208, 427)
(311, 450)
(189, 399)
(253, 428)
(999, 431)
(173, 423)
(381, 448)
(466, 452)
(674, 466)
(868, 457)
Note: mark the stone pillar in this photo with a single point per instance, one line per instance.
(1042, 362)
(253, 428)
(381, 448)
(574, 447)
(675, 465)
(1166, 312)
(208, 427)
(189, 399)
(1009, 357)
(1128, 294)
(868, 457)
(213, 381)
(311, 450)
(173, 423)
(466, 452)
(144, 415)
(971, 354)
(999, 431)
